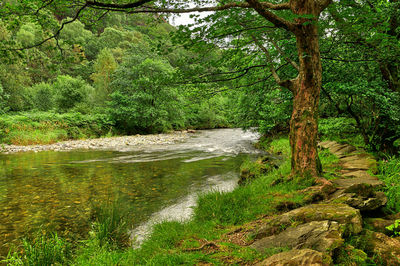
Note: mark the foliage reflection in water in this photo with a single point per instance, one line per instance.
(56, 191)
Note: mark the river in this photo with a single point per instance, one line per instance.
(56, 191)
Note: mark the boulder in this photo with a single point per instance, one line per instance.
(386, 249)
(379, 224)
(347, 217)
(361, 197)
(323, 236)
(298, 257)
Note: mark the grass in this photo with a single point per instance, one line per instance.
(389, 173)
(43, 249)
(47, 127)
(203, 239)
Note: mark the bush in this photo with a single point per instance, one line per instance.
(337, 128)
(43, 96)
(70, 91)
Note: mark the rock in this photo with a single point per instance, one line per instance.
(379, 224)
(356, 197)
(299, 257)
(363, 178)
(327, 144)
(345, 151)
(323, 236)
(348, 217)
(386, 249)
(359, 162)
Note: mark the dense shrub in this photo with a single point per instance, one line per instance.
(70, 91)
(43, 96)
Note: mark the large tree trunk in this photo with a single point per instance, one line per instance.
(306, 91)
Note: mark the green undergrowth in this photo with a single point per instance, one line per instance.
(389, 173)
(47, 127)
(203, 239)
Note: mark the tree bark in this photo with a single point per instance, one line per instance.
(306, 90)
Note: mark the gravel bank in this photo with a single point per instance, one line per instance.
(113, 143)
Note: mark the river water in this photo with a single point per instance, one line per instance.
(56, 191)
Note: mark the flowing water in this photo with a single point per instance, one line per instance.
(56, 191)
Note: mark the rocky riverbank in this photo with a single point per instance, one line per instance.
(341, 212)
(111, 143)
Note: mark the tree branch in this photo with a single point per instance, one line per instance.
(285, 83)
(117, 6)
(290, 61)
(279, 22)
(54, 36)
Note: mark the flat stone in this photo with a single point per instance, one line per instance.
(348, 217)
(344, 151)
(297, 257)
(336, 149)
(323, 236)
(364, 179)
(327, 144)
(367, 201)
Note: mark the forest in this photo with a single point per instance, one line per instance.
(313, 78)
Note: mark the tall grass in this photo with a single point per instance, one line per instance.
(110, 224)
(389, 173)
(41, 250)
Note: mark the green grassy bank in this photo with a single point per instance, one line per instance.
(46, 127)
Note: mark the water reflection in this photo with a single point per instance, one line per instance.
(55, 191)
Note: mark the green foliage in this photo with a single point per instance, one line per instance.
(337, 128)
(267, 109)
(3, 99)
(42, 250)
(70, 91)
(104, 67)
(43, 96)
(44, 128)
(389, 173)
(394, 228)
(75, 33)
(29, 34)
(143, 99)
(209, 113)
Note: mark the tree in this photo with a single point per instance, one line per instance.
(104, 67)
(297, 17)
(143, 101)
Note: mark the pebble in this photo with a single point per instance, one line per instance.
(100, 143)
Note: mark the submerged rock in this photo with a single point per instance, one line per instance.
(298, 257)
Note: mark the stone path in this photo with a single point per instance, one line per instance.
(314, 232)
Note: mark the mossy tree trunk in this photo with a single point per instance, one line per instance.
(306, 91)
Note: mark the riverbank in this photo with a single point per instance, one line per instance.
(242, 226)
(106, 143)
